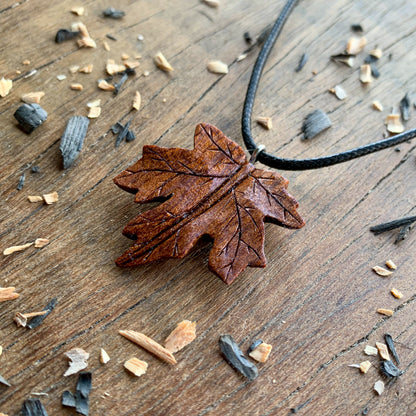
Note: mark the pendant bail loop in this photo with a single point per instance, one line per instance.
(256, 152)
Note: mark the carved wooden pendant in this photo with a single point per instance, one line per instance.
(212, 190)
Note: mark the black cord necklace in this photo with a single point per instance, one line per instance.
(267, 159)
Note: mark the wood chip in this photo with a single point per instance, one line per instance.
(387, 312)
(355, 45)
(212, 3)
(162, 63)
(394, 125)
(79, 11)
(379, 387)
(60, 77)
(77, 361)
(383, 351)
(95, 103)
(86, 69)
(149, 345)
(104, 357)
(106, 46)
(377, 105)
(241, 57)
(396, 293)
(94, 112)
(261, 352)
(124, 56)
(5, 86)
(265, 122)
(345, 59)
(181, 336)
(26, 62)
(1, 352)
(369, 350)
(73, 69)
(217, 67)
(136, 366)
(13, 249)
(377, 53)
(77, 87)
(137, 101)
(21, 318)
(339, 92)
(73, 139)
(41, 242)
(8, 293)
(32, 97)
(50, 198)
(104, 85)
(390, 264)
(35, 198)
(112, 68)
(365, 74)
(364, 366)
(146, 73)
(85, 42)
(381, 271)
(131, 64)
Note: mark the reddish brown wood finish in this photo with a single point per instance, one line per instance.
(212, 190)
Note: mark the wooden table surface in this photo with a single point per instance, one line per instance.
(316, 300)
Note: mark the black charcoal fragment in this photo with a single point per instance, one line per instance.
(370, 59)
(21, 182)
(315, 123)
(302, 62)
(248, 38)
(68, 399)
(113, 13)
(123, 133)
(82, 393)
(37, 320)
(404, 107)
(110, 36)
(397, 149)
(403, 233)
(235, 357)
(130, 136)
(63, 35)
(120, 83)
(357, 28)
(34, 169)
(344, 58)
(254, 345)
(30, 116)
(33, 407)
(391, 225)
(116, 128)
(390, 343)
(4, 381)
(374, 70)
(389, 370)
(73, 139)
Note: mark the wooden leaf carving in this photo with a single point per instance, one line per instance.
(211, 190)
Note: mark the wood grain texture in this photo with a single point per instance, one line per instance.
(315, 302)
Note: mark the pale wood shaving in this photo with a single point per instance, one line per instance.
(379, 387)
(365, 74)
(217, 67)
(391, 265)
(94, 112)
(146, 73)
(3, 414)
(181, 336)
(104, 357)
(35, 198)
(104, 85)
(8, 293)
(355, 45)
(136, 366)
(85, 42)
(95, 103)
(21, 318)
(5, 86)
(79, 11)
(32, 97)
(383, 351)
(387, 312)
(265, 122)
(241, 57)
(396, 293)
(50, 198)
(261, 353)
(41, 242)
(162, 63)
(26, 62)
(377, 53)
(87, 69)
(339, 92)
(112, 68)
(377, 105)
(78, 26)
(124, 56)
(131, 64)
(212, 3)
(1, 352)
(13, 249)
(77, 361)
(73, 69)
(149, 345)
(106, 46)
(369, 350)
(61, 77)
(394, 125)
(381, 271)
(364, 366)
(77, 87)
(137, 57)
(137, 101)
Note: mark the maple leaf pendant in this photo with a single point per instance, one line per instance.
(212, 190)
